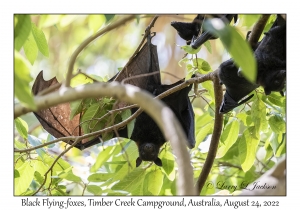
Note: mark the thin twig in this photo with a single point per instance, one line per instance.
(45, 144)
(88, 41)
(54, 162)
(147, 32)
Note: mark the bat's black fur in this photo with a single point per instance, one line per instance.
(147, 134)
(236, 87)
(271, 58)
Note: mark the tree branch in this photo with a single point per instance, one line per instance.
(161, 114)
(257, 30)
(216, 133)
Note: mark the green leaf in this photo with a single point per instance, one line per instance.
(22, 183)
(276, 99)
(230, 132)
(282, 146)
(124, 167)
(76, 108)
(20, 145)
(202, 65)
(22, 30)
(30, 49)
(69, 175)
(103, 156)
(40, 40)
(269, 150)
(243, 117)
(277, 124)
(258, 114)
(60, 190)
(202, 119)
(96, 190)
(100, 177)
(249, 20)
(80, 79)
(109, 17)
(130, 126)
(183, 60)
(168, 165)
(34, 141)
(91, 112)
(208, 85)
(16, 173)
(203, 133)
(95, 22)
(22, 79)
(278, 142)
(190, 50)
(62, 163)
(39, 178)
(131, 181)
(42, 168)
(22, 127)
(236, 45)
(145, 184)
(228, 137)
(247, 148)
(155, 181)
(208, 46)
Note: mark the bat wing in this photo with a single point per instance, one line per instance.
(56, 120)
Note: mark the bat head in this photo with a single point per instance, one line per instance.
(274, 81)
(148, 152)
(186, 30)
(229, 103)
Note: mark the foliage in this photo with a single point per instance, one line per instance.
(253, 136)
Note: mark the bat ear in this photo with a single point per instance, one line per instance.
(138, 162)
(158, 162)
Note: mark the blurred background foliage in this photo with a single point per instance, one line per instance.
(108, 170)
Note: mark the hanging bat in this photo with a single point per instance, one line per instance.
(271, 69)
(188, 30)
(146, 133)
